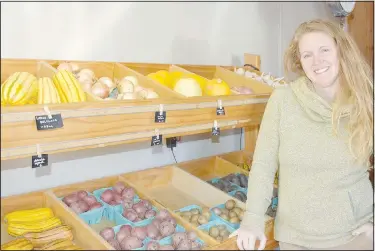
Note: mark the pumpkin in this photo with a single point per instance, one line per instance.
(217, 87)
(188, 87)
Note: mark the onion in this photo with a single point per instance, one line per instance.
(132, 79)
(75, 67)
(151, 95)
(107, 233)
(108, 82)
(138, 88)
(88, 72)
(125, 86)
(107, 195)
(100, 90)
(65, 66)
(129, 95)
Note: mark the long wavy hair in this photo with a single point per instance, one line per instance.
(356, 85)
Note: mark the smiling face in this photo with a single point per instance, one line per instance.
(319, 59)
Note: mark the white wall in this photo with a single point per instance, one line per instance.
(186, 33)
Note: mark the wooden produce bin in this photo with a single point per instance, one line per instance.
(242, 159)
(175, 188)
(92, 185)
(84, 236)
(230, 77)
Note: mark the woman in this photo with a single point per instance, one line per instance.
(318, 132)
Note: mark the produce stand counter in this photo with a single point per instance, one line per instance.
(97, 122)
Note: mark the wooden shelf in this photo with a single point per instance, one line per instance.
(167, 187)
(101, 123)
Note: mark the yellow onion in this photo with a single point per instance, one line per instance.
(108, 82)
(88, 72)
(86, 82)
(132, 79)
(129, 95)
(65, 66)
(100, 90)
(125, 86)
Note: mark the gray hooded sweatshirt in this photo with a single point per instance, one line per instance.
(323, 193)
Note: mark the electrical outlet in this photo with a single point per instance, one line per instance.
(172, 142)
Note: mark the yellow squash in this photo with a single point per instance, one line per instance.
(68, 87)
(18, 244)
(19, 89)
(32, 215)
(21, 228)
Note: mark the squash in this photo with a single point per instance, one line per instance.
(188, 87)
(173, 77)
(158, 78)
(217, 87)
(201, 80)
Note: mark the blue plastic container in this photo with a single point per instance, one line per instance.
(119, 219)
(188, 208)
(93, 216)
(109, 211)
(235, 226)
(168, 241)
(207, 226)
(216, 180)
(145, 241)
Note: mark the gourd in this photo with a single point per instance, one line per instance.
(217, 87)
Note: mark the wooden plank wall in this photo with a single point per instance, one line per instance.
(361, 27)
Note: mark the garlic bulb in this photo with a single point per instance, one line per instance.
(125, 86)
(75, 67)
(108, 82)
(100, 90)
(239, 71)
(132, 79)
(64, 66)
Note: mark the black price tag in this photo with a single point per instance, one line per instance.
(160, 117)
(215, 131)
(45, 123)
(220, 111)
(39, 161)
(155, 141)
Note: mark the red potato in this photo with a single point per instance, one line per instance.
(191, 235)
(121, 235)
(153, 245)
(184, 245)
(156, 222)
(112, 203)
(90, 200)
(82, 194)
(178, 237)
(127, 204)
(107, 233)
(147, 204)
(195, 246)
(95, 205)
(130, 214)
(166, 247)
(163, 215)
(166, 228)
(127, 229)
(128, 193)
(79, 207)
(139, 232)
(70, 199)
(107, 195)
(149, 214)
(119, 187)
(117, 198)
(172, 221)
(130, 243)
(140, 209)
(115, 244)
(152, 231)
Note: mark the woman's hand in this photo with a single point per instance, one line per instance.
(367, 229)
(246, 239)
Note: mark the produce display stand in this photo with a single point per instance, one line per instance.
(98, 123)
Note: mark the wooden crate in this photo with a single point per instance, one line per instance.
(95, 184)
(84, 236)
(230, 77)
(210, 167)
(239, 158)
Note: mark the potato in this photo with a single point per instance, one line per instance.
(232, 214)
(214, 232)
(195, 211)
(186, 217)
(219, 238)
(224, 217)
(237, 210)
(230, 204)
(166, 228)
(234, 220)
(221, 227)
(202, 220)
(225, 211)
(195, 224)
(186, 213)
(224, 233)
(194, 218)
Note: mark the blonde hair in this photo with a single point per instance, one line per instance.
(356, 85)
